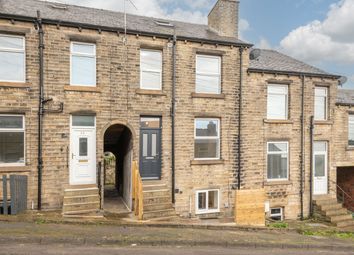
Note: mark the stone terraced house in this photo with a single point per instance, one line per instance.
(202, 113)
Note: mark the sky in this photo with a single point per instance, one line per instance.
(318, 32)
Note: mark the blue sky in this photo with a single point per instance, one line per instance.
(318, 32)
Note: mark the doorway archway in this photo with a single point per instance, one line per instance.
(118, 149)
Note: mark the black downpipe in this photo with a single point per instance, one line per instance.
(239, 121)
(312, 127)
(302, 146)
(41, 107)
(173, 112)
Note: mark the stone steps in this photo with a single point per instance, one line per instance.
(157, 201)
(333, 211)
(81, 201)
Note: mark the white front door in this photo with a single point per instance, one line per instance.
(83, 150)
(320, 176)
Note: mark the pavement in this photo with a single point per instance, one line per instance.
(145, 250)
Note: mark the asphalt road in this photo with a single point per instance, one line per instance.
(107, 250)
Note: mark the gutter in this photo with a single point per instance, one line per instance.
(239, 121)
(39, 26)
(302, 161)
(173, 113)
(120, 30)
(312, 127)
(329, 76)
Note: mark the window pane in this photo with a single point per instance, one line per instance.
(321, 92)
(213, 200)
(84, 48)
(351, 130)
(150, 60)
(83, 146)
(277, 147)
(206, 148)
(277, 89)
(12, 66)
(207, 84)
(145, 145)
(83, 121)
(83, 70)
(277, 166)
(153, 145)
(277, 107)
(202, 200)
(10, 42)
(149, 122)
(320, 165)
(11, 122)
(12, 147)
(150, 80)
(207, 127)
(275, 211)
(320, 108)
(320, 146)
(208, 65)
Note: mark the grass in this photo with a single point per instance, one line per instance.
(330, 233)
(279, 225)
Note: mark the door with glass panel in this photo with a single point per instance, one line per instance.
(320, 176)
(150, 147)
(83, 150)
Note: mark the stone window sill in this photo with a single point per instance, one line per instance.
(275, 183)
(207, 162)
(349, 148)
(14, 84)
(150, 92)
(278, 121)
(323, 122)
(11, 169)
(82, 89)
(205, 95)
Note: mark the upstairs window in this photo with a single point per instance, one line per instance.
(12, 140)
(207, 139)
(277, 102)
(351, 130)
(150, 69)
(208, 74)
(12, 58)
(321, 102)
(83, 64)
(277, 161)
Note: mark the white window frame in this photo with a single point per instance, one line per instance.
(23, 50)
(275, 153)
(349, 123)
(217, 74)
(16, 130)
(326, 103)
(79, 54)
(281, 214)
(208, 137)
(286, 95)
(197, 210)
(150, 70)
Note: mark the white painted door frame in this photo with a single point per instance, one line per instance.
(320, 179)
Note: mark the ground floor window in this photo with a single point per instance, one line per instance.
(276, 213)
(277, 160)
(207, 201)
(207, 139)
(12, 140)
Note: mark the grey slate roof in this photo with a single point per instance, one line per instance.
(271, 60)
(345, 97)
(105, 18)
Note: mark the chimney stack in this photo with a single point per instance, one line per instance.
(224, 18)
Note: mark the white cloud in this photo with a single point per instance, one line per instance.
(263, 44)
(243, 26)
(328, 40)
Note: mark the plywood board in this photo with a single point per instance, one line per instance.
(250, 207)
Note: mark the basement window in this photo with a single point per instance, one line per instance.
(12, 58)
(207, 201)
(276, 214)
(12, 140)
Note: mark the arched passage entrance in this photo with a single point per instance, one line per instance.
(118, 148)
